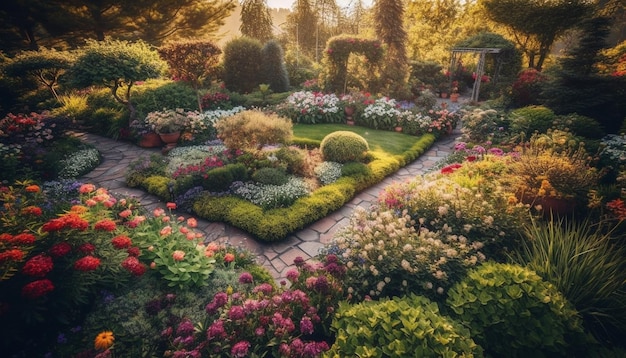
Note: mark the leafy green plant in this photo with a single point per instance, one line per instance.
(410, 326)
(274, 176)
(343, 147)
(512, 312)
(528, 120)
(242, 64)
(273, 67)
(586, 264)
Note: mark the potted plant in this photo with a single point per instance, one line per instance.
(168, 123)
(146, 137)
(454, 94)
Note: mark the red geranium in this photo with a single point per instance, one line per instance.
(38, 266)
(32, 210)
(105, 225)
(61, 249)
(121, 242)
(11, 255)
(133, 265)
(37, 288)
(23, 239)
(87, 263)
(86, 248)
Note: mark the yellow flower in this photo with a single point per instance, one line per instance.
(104, 340)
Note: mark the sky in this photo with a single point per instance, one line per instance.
(287, 4)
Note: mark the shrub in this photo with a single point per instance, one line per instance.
(386, 256)
(409, 326)
(273, 176)
(312, 107)
(220, 179)
(512, 312)
(343, 147)
(273, 67)
(481, 125)
(272, 196)
(293, 158)
(584, 263)
(526, 89)
(242, 64)
(251, 130)
(528, 120)
(583, 126)
(158, 185)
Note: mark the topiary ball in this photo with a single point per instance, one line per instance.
(343, 147)
(512, 312)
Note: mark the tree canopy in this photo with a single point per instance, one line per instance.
(256, 21)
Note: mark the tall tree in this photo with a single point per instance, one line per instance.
(71, 22)
(388, 17)
(301, 26)
(536, 24)
(256, 20)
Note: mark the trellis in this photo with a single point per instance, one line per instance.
(457, 52)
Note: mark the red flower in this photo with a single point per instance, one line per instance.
(105, 225)
(133, 251)
(23, 239)
(471, 158)
(11, 255)
(53, 225)
(229, 257)
(133, 265)
(121, 242)
(6, 237)
(87, 248)
(449, 169)
(32, 210)
(87, 263)
(171, 206)
(61, 249)
(38, 266)
(37, 288)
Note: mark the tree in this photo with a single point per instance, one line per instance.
(45, 66)
(301, 26)
(536, 24)
(70, 22)
(242, 64)
(273, 67)
(117, 65)
(256, 21)
(192, 62)
(388, 15)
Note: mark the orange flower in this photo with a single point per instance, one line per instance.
(33, 188)
(229, 257)
(192, 222)
(178, 255)
(86, 188)
(79, 209)
(104, 340)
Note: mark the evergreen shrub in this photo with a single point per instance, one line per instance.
(343, 147)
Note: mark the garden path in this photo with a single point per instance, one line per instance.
(276, 257)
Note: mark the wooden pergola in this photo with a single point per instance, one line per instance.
(456, 54)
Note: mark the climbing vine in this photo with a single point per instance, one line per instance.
(337, 53)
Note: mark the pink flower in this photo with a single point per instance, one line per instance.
(86, 188)
(126, 213)
(240, 349)
(178, 255)
(166, 231)
(245, 277)
(192, 222)
(171, 205)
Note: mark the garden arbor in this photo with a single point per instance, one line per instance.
(338, 50)
(482, 53)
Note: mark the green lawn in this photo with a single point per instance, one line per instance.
(388, 142)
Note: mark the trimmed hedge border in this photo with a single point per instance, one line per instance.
(276, 224)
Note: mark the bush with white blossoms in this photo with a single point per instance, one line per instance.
(202, 122)
(384, 113)
(79, 163)
(328, 172)
(385, 255)
(312, 107)
(271, 196)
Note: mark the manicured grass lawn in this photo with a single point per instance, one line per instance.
(387, 142)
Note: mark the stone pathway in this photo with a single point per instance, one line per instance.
(276, 257)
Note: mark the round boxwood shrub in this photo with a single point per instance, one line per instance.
(272, 176)
(531, 119)
(513, 312)
(410, 326)
(343, 147)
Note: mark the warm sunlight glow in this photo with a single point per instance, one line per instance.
(287, 4)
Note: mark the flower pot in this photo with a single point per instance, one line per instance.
(350, 122)
(170, 140)
(150, 140)
(398, 129)
(349, 111)
(454, 97)
(550, 205)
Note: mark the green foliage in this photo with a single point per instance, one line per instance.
(256, 20)
(410, 326)
(508, 55)
(220, 179)
(528, 120)
(426, 74)
(251, 130)
(292, 158)
(158, 185)
(343, 147)
(273, 67)
(242, 64)
(338, 50)
(272, 176)
(579, 125)
(355, 169)
(511, 311)
(154, 95)
(585, 263)
(117, 65)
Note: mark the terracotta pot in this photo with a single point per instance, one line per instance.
(454, 97)
(150, 140)
(170, 140)
(398, 129)
(550, 206)
(349, 111)
(350, 122)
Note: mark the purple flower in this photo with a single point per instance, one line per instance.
(496, 151)
(292, 275)
(185, 328)
(236, 313)
(298, 261)
(460, 146)
(265, 288)
(479, 149)
(321, 285)
(306, 326)
(216, 330)
(240, 349)
(245, 277)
